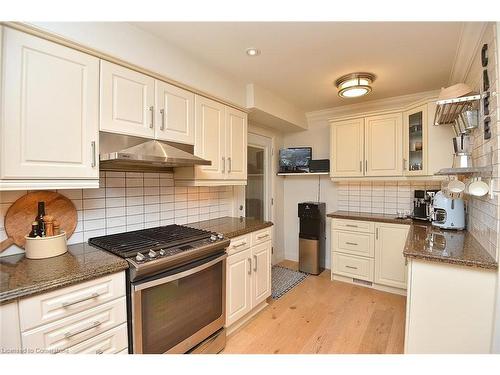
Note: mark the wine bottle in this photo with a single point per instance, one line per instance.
(39, 219)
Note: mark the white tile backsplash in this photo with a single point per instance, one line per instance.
(131, 201)
(385, 197)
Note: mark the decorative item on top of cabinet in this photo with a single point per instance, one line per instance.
(49, 128)
(221, 137)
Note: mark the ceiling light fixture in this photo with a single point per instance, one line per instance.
(354, 84)
(253, 52)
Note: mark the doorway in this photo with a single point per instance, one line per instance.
(258, 194)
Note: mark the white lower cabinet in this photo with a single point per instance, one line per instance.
(371, 252)
(248, 275)
(390, 268)
(90, 317)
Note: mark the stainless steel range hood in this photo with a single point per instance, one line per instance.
(123, 152)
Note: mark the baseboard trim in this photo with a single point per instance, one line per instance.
(246, 319)
(383, 288)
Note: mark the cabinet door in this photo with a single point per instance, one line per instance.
(50, 110)
(127, 101)
(390, 268)
(383, 145)
(238, 286)
(346, 148)
(415, 141)
(10, 339)
(236, 144)
(174, 114)
(261, 273)
(210, 138)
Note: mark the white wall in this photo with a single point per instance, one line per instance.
(305, 188)
(130, 43)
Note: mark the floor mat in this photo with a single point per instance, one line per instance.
(284, 279)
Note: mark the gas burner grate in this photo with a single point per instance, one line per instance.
(130, 243)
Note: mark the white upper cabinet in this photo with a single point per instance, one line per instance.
(346, 145)
(49, 129)
(127, 101)
(236, 144)
(174, 114)
(415, 146)
(210, 141)
(383, 145)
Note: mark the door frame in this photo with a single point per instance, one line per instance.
(265, 143)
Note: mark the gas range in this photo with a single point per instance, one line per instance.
(155, 250)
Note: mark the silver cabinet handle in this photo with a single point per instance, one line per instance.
(366, 165)
(99, 351)
(240, 244)
(263, 236)
(94, 158)
(404, 164)
(351, 226)
(351, 243)
(74, 302)
(229, 161)
(255, 258)
(360, 166)
(152, 109)
(223, 164)
(376, 233)
(162, 112)
(249, 266)
(351, 267)
(92, 326)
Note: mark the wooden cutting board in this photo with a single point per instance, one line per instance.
(23, 211)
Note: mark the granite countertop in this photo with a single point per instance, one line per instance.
(22, 277)
(449, 246)
(231, 227)
(366, 216)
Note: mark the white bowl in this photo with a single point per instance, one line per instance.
(478, 188)
(45, 247)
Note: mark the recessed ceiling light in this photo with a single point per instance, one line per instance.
(354, 84)
(253, 51)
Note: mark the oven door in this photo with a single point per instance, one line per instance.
(174, 311)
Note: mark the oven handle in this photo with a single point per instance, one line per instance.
(179, 275)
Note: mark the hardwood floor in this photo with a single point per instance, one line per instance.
(323, 316)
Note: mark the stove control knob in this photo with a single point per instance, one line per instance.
(140, 257)
(152, 254)
(220, 236)
(213, 238)
(162, 252)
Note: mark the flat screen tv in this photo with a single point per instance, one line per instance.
(295, 159)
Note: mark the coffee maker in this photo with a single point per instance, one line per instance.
(447, 212)
(422, 204)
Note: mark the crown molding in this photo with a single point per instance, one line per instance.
(468, 47)
(395, 103)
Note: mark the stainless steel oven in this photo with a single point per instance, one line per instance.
(174, 311)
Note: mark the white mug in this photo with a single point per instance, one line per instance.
(456, 186)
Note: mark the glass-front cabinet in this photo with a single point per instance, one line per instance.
(415, 141)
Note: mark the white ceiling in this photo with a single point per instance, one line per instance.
(301, 60)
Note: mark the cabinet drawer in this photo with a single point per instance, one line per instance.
(261, 236)
(239, 244)
(73, 330)
(353, 225)
(47, 307)
(354, 243)
(352, 266)
(110, 342)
